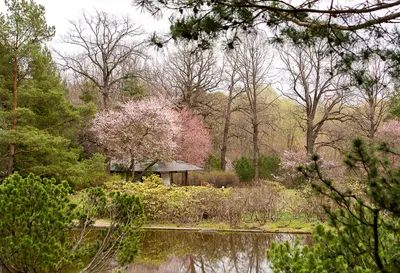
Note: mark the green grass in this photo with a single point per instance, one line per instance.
(279, 226)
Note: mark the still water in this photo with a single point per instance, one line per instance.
(200, 252)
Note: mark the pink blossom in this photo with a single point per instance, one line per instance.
(194, 141)
(390, 129)
(144, 129)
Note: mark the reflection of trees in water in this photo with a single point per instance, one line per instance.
(196, 252)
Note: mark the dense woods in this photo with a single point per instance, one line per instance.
(251, 92)
(264, 97)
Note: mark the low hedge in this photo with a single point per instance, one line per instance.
(215, 178)
(191, 204)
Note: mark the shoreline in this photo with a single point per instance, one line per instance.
(99, 224)
(208, 230)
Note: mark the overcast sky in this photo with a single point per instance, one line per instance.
(58, 13)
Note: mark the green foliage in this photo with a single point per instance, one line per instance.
(52, 156)
(364, 233)
(89, 93)
(153, 179)
(244, 168)
(46, 138)
(37, 218)
(134, 89)
(35, 215)
(195, 204)
(23, 26)
(213, 163)
(86, 173)
(268, 166)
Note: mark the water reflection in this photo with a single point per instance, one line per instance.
(197, 252)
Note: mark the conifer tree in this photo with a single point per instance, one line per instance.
(22, 29)
(364, 233)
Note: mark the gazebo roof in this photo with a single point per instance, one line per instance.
(166, 167)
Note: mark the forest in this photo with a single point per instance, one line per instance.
(291, 111)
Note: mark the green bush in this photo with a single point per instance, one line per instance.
(244, 169)
(268, 166)
(213, 163)
(34, 218)
(191, 204)
(87, 173)
(37, 218)
(176, 204)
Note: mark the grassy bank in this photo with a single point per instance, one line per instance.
(267, 206)
(276, 227)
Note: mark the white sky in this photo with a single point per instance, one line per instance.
(59, 12)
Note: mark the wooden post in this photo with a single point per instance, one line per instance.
(186, 178)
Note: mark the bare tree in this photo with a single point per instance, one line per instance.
(108, 49)
(231, 73)
(254, 68)
(187, 75)
(314, 83)
(373, 87)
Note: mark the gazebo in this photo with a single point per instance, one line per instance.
(166, 169)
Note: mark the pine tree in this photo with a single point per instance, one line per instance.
(36, 221)
(364, 233)
(22, 29)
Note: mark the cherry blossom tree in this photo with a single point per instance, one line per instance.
(194, 141)
(139, 130)
(390, 133)
(290, 161)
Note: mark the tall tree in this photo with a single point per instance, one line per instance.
(315, 83)
(108, 51)
(187, 75)
(46, 140)
(255, 63)
(373, 88)
(232, 79)
(23, 29)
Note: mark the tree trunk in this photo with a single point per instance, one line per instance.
(133, 168)
(14, 116)
(139, 175)
(227, 125)
(371, 121)
(310, 137)
(105, 99)
(256, 154)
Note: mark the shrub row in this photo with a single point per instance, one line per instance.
(191, 204)
(215, 178)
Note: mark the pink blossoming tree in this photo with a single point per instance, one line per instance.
(140, 130)
(290, 160)
(390, 133)
(194, 141)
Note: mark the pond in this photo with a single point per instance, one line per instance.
(206, 252)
